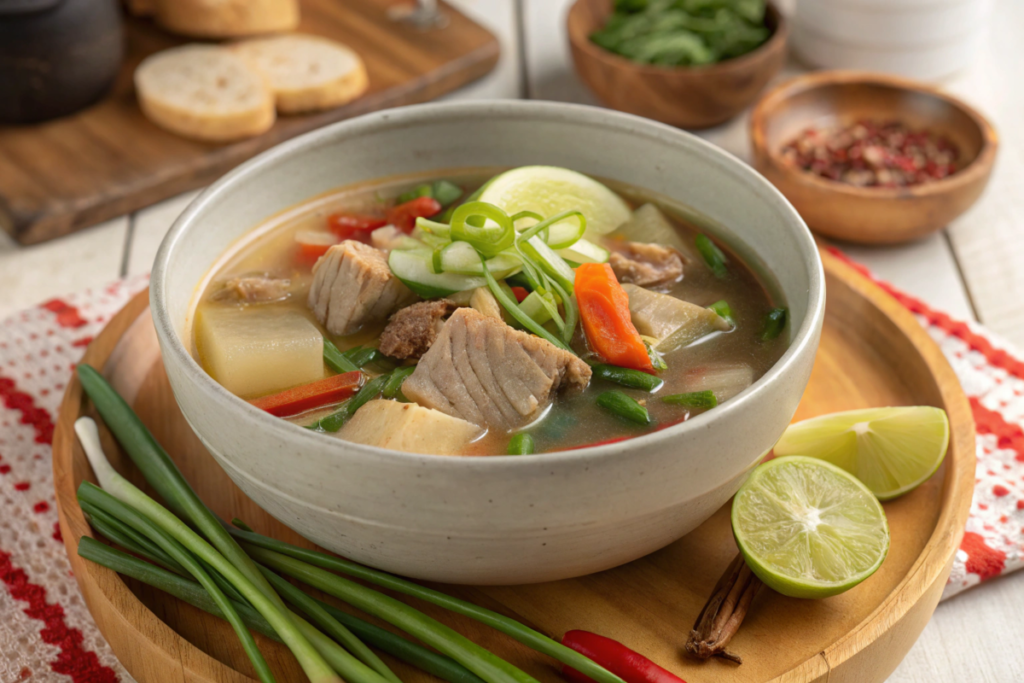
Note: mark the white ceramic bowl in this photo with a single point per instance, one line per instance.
(926, 39)
(493, 520)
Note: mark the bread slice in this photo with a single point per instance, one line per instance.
(307, 73)
(204, 92)
(227, 18)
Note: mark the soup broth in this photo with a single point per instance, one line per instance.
(746, 335)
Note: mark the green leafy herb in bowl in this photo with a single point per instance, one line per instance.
(683, 32)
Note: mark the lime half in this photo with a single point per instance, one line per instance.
(549, 190)
(807, 528)
(891, 450)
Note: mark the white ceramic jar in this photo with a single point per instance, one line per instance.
(498, 519)
(924, 39)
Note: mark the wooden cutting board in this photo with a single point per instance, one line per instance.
(64, 175)
(873, 353)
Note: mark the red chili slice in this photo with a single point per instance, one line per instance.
(404, 215)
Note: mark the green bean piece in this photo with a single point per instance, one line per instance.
(521, 444)
(623, 406)
(774, 323)
(370, 391)
(395, 380)
(627, 377)
(446, 192)
(713, 256)
(724, 311)
(361, 357)
(704, 400)
(424, 190)
(336, 360)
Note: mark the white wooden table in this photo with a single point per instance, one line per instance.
(973, 270)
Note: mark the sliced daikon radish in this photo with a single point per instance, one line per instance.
(673, 322)
(649, 224)
(724, 379)
(409, 428)
(256, 351)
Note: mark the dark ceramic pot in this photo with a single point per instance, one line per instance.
(56, 56)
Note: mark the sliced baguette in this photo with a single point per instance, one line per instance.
(204, 92)
(307, 73)
(227, 18)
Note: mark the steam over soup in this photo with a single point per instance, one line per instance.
(484, 313)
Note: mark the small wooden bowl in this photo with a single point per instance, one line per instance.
(688, 97)
(864, 214)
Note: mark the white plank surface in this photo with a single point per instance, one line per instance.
(30, 275)
(989, 239)
(975, 636)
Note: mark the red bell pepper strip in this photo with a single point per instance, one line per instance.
(309, 396)
(404, 215)
(354, 226)
(520, 293)
(604, 313)
(628, 665)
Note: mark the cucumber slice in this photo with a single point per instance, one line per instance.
(461, 258)
(534, 307)
(585, 251)
(414, 268)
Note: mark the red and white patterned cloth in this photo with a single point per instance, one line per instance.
(46, 633)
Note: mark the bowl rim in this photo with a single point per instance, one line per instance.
(776, 42)
(766, 107)
(802, 340)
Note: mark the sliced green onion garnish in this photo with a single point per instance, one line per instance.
(510, 305)
(694, 399)
(488, 240)
(623, 406)
(521, 444)
(713, 256)
(774, 323)
(571, 312)
(435, 262)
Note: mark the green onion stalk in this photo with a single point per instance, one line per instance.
(191, 592)
(533, 639)
(129, 504)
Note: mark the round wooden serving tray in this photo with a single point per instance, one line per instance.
(873, 353)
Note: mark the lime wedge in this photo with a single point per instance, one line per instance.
(807, 528)
(548, 190)
(891, 450)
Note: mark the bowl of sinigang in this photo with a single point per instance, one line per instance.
(490, 342)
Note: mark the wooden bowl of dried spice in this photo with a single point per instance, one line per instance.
(872, 158)
(691, 65)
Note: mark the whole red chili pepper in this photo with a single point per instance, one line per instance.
(404, 215)
(354, 226)
(628, 665)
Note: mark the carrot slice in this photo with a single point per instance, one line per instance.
(604, 312)
(313, 395)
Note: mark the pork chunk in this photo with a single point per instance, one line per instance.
(483, 371)
(647, 265)
(353, 287)
(254, 289)
(411, 330)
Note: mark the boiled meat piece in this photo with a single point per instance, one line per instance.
(412, 330)
(483, 371)
(647, 265)
(353, 287)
